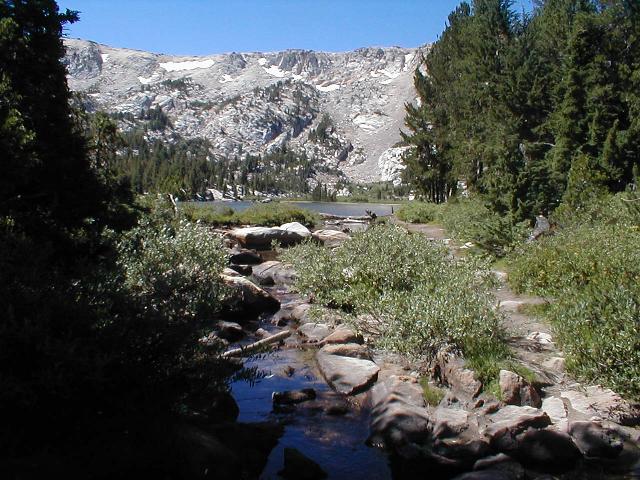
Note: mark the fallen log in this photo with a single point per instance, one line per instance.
(257, 345)
(329, 216)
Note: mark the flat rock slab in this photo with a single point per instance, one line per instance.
(314, 332)
(274, 273)
(343, 335)
(353, 350)
(513, 420)
(600, 402)
(347, 375)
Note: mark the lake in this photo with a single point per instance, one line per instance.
(343, 209)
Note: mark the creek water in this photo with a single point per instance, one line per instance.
(335, 442)
(343, 209)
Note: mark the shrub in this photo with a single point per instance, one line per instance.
(418, 212)
(469, 220)
(406, 293)
(593, 271)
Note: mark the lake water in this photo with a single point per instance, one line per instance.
(343, 209)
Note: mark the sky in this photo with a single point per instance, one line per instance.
(201, 27)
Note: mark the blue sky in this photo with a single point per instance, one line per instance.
(200, 27)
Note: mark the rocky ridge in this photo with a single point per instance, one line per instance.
(254, 103)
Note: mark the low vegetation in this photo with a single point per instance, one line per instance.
(418, 212)
(407, 294)
(592, 270)
(269, 215)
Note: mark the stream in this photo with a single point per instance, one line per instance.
(327, 430)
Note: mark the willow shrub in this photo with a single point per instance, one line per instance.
(593, 272)
(407, 294)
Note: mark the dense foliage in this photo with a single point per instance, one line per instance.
(407, 294)
(102, 302)
(531, 110)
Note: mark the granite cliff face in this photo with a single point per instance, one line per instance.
(256, 102)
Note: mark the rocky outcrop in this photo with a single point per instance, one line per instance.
(451, 371)
(254, 103)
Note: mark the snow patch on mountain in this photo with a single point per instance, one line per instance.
(188, 65)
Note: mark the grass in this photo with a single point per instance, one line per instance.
(432, 394)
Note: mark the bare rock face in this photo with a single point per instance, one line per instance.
(254, 103)
(347, 375)
(516, 390)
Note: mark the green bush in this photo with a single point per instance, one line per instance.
(173, 271)
(469, 220)
(593, 272)
(267, 215)
(407, 294)
(418, 212)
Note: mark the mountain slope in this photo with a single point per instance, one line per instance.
(344, 109)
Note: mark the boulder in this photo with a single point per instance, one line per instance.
(594, 441)
(449, 422)
(230, 331)
(292, 397)
(292, 312)
(243, 256)
(512, 420)
(299, 467)
(353, 350)
(398, 414)
(330, 238)
(347, 375)
(230, 272)
(247, 298)
(451, 372)
(244, 270)
(261, 238)
(343, 335)
(297, 228)
(314, 332)
(274, 273)
(516, 390)
(548, 450)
